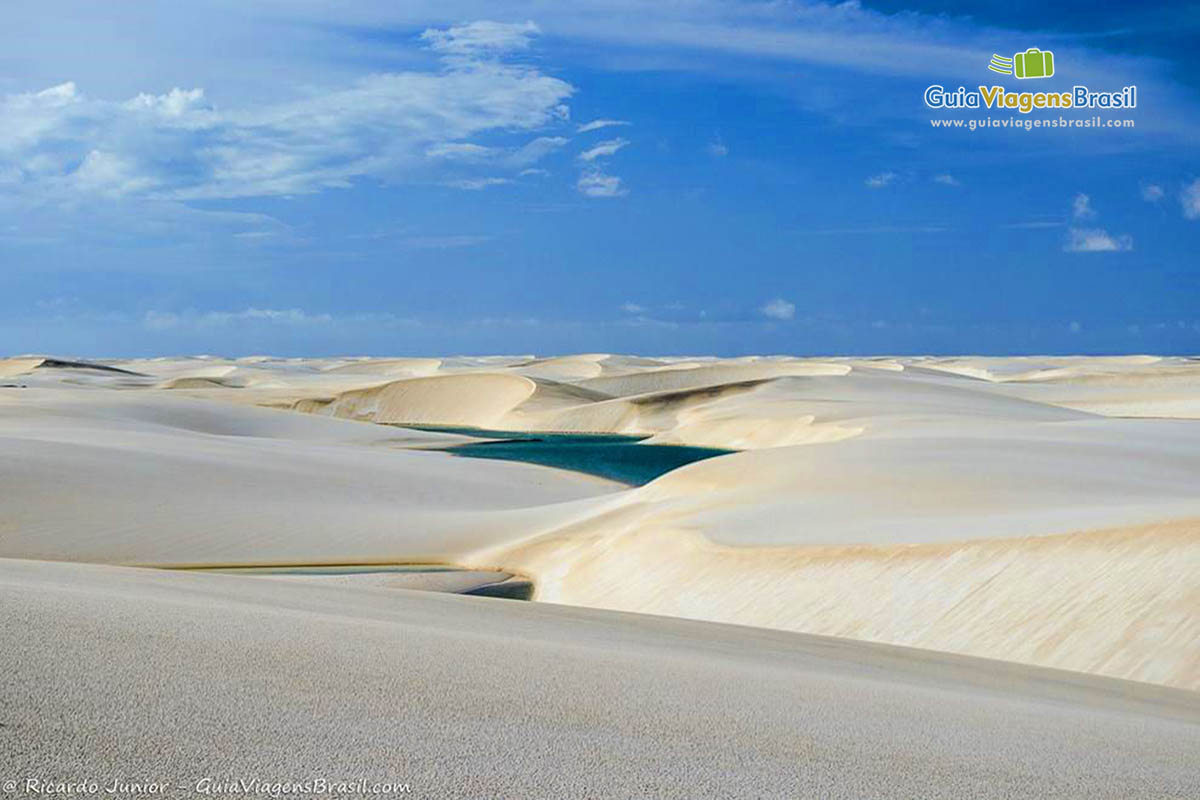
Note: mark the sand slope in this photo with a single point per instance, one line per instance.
(128, 477)
(466, 697)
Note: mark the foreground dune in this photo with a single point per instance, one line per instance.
(466, 697)
(1120, 603)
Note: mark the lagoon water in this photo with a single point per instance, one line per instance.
(612, 456)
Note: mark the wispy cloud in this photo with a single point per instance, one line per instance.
(597, 124)
(1081, 207)
(717, 148)
(60, 143)
(603, 149)
(1189, 200)
(536, 150)
(594, 181)
(874, 229)
(476, 184)
(1152, 192)
(1095, 240)
(166, 320)
(444, 242)
(1036, 224)
(946, 180)
(779, 309)
(597, 184)
(881, 180)
(1092, 240)
(480, 39)
(460, 151)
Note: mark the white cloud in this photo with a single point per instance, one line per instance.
(717, 149)
(166, 320)
(536, 150)
(460, 151)
(597, 184)
(476, 184)
(1036, 224)
(58, 144)
(1189, 199)
(444, 242)
(873, 229)
(174, 103)
(779, 309)
(881, 180)
(946, 180)
(467, 152)
(1152, 192)
(597, 124)
(111, 174)
(480, 39)
(845, 37)
(1081, 207)
(633, 308)
(1092, 240)
(1095, 240)
(603, 149)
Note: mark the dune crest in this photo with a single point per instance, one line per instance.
(479, 400)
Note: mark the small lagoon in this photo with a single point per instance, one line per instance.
(616, 457)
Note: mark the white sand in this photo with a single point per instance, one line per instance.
(150, 478)
(112, 672)
(986, 507)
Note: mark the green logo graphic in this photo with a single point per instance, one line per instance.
(1033, 63)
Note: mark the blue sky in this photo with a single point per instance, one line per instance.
(705, 177)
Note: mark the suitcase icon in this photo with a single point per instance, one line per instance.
(1034, 63)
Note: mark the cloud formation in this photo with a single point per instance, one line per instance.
(881, 180)
(476, 184)
(779, 309)
(60, 144)
(167, 320)
(593, 180)
(480, 39)
(1095, 240)
(1081, 207)
(597, 184)
(597, 124)
(603, 149)
(1091, 240)
(1189, 200)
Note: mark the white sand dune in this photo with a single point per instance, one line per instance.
(1120, 603)
(131, 477)
(468, 697)
(480, 400)
(695, 375)
(19, 366)
(978, 506)
(407, 367)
